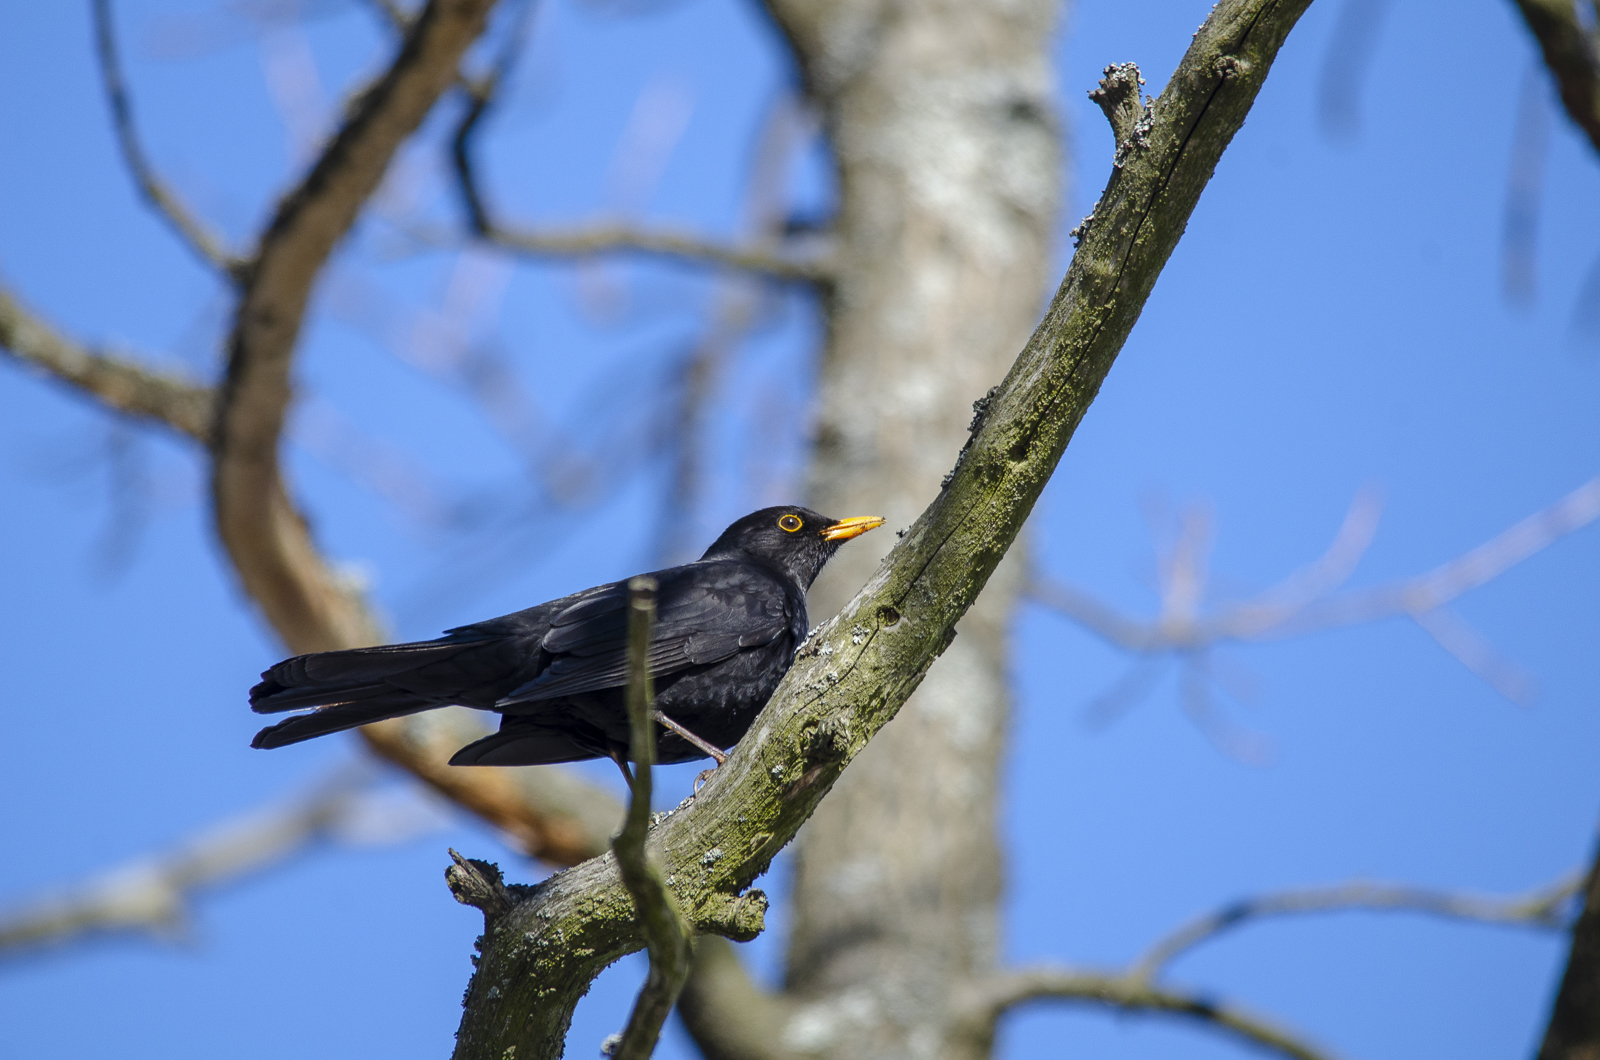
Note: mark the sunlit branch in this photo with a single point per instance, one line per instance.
(190, 229)
(1008, 990)
(621, 239)
(1543, 908)
(118, 383)
(152, 895)
(1307, 603)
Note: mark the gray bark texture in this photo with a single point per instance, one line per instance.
(855, 672)
(948, 157)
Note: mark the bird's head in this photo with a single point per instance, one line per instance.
(796, 539)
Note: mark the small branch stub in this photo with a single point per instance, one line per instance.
(480, 885)
(1119, 97)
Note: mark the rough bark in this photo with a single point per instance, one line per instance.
(947, 151)
(856, 671)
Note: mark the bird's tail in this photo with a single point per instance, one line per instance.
(347, 688)
(337, 719)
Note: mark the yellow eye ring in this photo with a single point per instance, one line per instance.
(790, 522)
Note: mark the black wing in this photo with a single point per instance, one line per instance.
(705, 612)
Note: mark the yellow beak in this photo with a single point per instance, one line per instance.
(855, 526)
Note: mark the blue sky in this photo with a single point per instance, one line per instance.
(1334, 317)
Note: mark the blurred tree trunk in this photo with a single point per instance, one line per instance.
(948, 156)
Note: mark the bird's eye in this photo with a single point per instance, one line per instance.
(790, 522)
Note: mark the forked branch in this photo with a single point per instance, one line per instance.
(1543, 908)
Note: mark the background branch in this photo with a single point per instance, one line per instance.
(152, 895)
(1542, 908)
(1306, 602)
(116, 382)
(613, 239)
(1010, 989)
(194, 233)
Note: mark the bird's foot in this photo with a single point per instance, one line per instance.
(702, 777)
(715, 752)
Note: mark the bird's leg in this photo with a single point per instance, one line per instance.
(619, 755)
(715, 752)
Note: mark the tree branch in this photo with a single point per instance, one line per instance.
(665, 931)
(118, 383)
(1541, 908)
(1573, 1032)
(726, 1013)
(853, 674)
(194, 233)
(615, 239)
(1302, 603)
(266, 538)
(599, 239)
(151, 895)
(1007, 990)
(1570, 53)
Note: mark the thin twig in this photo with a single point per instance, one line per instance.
(117, 382)
(152, 895)
(1306, 603)
(1006, 990)
(665, 930)
(190, 229)
(1542, 908)
(678, 246)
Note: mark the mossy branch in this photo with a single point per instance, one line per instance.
(853, 674)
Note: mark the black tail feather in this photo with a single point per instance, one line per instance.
(337, 719)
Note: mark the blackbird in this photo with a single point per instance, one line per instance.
(726, 630)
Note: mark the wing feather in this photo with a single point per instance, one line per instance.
(705, 612)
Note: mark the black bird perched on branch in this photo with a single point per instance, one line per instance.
(726, 630)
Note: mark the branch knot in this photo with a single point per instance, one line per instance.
(1119, 97)
(481, 885)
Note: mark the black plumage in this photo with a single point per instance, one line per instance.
(726, 631)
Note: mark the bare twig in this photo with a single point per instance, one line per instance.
(117, 382)
(680, 246)
(1305, 602)
(482, 94)
(152, 895)
(599, 239)
(1009, 989)
(1542, 908)
(1570, 52)
(190, 229)
(665, 930)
